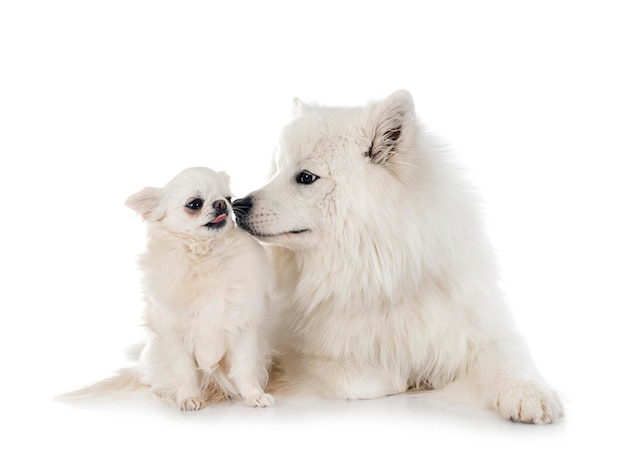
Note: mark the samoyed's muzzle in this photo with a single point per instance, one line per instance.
(242, 208)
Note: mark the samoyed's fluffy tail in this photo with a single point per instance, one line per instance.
(124, 383)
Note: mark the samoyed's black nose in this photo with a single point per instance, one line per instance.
(242, 207)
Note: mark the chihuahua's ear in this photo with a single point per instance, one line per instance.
(146, 203)
(225, 176)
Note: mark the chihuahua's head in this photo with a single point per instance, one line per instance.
(196, 203)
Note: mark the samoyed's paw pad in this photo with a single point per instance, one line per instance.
(191, 404)
(528, 402)
(262, 400)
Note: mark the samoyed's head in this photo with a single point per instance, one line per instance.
(195, 204)
(337, 170)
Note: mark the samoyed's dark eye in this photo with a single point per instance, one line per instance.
(305, 177)
(195, 204)
(229, 199)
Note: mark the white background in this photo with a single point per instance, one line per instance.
(98, 99)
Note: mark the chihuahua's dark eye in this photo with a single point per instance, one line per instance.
(305, 177)
(195, 204)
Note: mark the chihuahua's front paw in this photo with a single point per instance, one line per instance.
(262, 400)
(191, 404)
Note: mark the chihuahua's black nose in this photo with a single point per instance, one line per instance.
(220, 206)
(242, 206)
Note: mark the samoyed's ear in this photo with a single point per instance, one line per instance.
(390, 120)
(146, 203)
(298, 108)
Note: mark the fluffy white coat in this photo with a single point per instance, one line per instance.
(205, 285)
(385, 278)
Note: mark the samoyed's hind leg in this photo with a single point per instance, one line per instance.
(309, 376)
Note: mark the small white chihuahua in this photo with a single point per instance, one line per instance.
(205, 283)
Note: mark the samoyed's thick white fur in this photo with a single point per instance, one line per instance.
(385, 278)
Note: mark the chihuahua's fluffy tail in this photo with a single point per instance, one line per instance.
(124, 383)
(127, 382)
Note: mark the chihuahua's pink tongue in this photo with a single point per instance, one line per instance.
(219, 218)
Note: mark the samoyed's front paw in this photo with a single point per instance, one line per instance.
(191, 404)
(527, 402)
(262, 400)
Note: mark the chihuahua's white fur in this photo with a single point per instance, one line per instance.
(206, 293)
(385, 278)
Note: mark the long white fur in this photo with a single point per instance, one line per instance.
(206, 293)
(393, 284)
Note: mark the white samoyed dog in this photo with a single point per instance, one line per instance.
(385, 279)
(205, 283)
